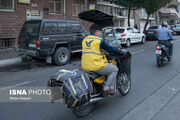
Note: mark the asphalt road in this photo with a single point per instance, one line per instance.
(147, 78)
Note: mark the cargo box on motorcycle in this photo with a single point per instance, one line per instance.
(73, 86)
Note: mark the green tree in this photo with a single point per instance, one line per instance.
(151, 6)
(128, 4)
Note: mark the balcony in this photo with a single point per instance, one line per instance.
(169, 13)
(174, 2)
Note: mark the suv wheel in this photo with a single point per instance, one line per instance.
(61, 56)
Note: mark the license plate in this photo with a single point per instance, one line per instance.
(159, 52)
(150, 32)
(32, 45)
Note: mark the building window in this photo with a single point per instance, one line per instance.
(6, 5)
(78, 6)
(56, 6)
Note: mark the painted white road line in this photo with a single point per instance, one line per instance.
(138, 51)
(19, 84)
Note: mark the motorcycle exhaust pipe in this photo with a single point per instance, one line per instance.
(95, 100)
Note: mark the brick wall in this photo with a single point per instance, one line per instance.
(11, 22)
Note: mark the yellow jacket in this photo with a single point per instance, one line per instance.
(93, 58)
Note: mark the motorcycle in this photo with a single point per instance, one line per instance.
(123, 62)
(122, 84)
(162, 54)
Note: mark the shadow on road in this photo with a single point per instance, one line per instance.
(37, 63)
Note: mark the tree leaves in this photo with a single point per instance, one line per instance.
(151, 6)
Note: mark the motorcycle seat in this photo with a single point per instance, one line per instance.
(163, 47)
(93, 75)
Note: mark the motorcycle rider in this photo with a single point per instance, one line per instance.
(94, 59)
(164, 36)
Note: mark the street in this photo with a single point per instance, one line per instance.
(147, 90)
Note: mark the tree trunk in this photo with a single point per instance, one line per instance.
(129, 14)
(147, 22)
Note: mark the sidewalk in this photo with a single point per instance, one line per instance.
(164, 104)
(9, 57)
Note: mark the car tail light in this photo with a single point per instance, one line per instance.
(123, 35)
(155, 32)
(38, 44)
(145, 32)
(158, 47)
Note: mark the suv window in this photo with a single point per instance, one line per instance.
(76, 28)
(31, 27)
(62, 28)
(49, 28)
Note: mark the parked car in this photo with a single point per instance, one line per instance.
(129, 35)
(177, 29)
(54, 40)
(151, 33)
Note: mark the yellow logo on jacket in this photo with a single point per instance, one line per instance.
(93, 58)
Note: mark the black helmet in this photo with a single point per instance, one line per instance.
(94, 27)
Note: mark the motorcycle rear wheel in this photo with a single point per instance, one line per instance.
(123, 84)
(83, 110)
(159, 62)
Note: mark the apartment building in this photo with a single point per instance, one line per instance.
(170, 13)
(119, 13)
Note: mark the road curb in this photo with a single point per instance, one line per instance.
(12, 61)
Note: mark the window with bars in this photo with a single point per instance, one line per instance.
(56, 6)
(6, 5)
(77, 7)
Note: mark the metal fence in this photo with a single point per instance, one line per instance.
(6, 43)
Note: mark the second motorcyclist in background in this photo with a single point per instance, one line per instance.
(94, 59)
(164, 36)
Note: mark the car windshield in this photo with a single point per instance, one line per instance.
(120, 31)
(153, 27)
(31, 27)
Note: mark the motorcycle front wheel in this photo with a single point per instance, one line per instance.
(123, 83)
